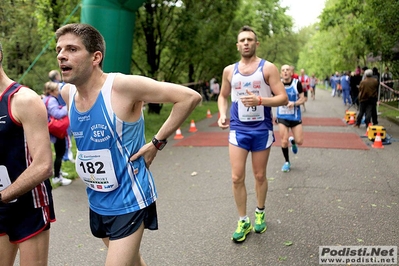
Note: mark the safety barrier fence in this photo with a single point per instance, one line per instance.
(389, 92)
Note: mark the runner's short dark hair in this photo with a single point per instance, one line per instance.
(248, 28)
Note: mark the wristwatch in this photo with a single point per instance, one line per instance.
(159, 144)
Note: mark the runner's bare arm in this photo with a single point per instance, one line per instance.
(34, 122)
(272, 77)
(224, 95)
(139, 89)
(142, 89)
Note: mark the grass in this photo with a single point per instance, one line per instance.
(152, 124)
(153, 121)
(389, 110)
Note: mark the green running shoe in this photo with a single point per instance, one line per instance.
(243, 229)
(260, 224)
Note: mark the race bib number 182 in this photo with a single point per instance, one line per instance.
(96, 169)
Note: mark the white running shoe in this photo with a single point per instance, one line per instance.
(62, 181)
(63, 173)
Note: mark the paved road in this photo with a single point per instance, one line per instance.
(331, 197)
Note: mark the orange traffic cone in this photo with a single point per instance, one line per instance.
(367, 131)
(178, 134)
(208, 114)
(192, 127)
(377, 142)
(351, 120)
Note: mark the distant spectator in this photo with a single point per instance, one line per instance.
(294, 75)
(305, 81)
(367, 93)
(326, 82)
(55, 76)
(336, 85)
(215, 90)
(333, 85)
(56, 110)
(211, 82)
(374, 115)
(387, 78)
(363, 72)
(376, 74)
(346, 88)
(338, 82)
(358, 70)
(203, 85)
(313, 82)
(354, 84)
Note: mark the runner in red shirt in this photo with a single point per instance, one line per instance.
(294, 75)
(305, 81)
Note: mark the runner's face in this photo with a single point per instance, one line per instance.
(73, 59)
(247, 44)
(286, 73)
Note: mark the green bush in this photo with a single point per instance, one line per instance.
(154, 121)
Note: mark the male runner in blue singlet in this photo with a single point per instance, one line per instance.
(107, 122)
(289, 116)
(255, 86)
(26, 203)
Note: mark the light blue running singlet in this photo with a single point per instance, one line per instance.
(292, 114)
(105, 143)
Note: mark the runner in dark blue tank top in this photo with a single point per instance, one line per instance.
(26, 204)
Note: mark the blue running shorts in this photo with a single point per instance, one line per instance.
(258, 140)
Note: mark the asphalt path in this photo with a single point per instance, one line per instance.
(331, 197)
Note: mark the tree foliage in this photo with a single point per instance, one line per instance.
(177, 40)
(28, 51)
(187, 40)
(278, 44)
(386, 21)
(364, 31)
(18, 36)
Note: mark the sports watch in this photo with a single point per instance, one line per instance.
(159, 144)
